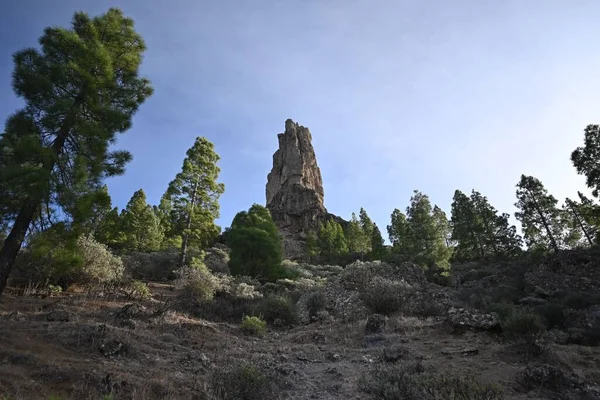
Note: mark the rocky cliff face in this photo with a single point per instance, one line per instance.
(295, 188)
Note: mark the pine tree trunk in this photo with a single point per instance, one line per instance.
(585, 232)
(15, 238)
(188, 226)
(14, 241)
(545, 223)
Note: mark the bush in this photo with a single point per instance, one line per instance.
(279, 311)
(358, 275)
(216, 260)
(580, 300)
(315, 303)
(198, 284)
(408, 382)
(137, 290)
(503, 310)
(384, 296)
(591, 336)
(253, 325)
(243, 382)
(155, 266)
(525, 330)
(235, 297)
(459, 388)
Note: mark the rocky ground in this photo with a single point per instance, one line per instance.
(85, 346)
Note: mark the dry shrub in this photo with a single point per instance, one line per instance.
(279, 311)
(526, 331)
(243, 381)
(198, 284)
(384, 296)
(155, 266)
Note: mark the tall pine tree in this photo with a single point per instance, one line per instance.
(141, 227)
(80, 88)
(194, 198)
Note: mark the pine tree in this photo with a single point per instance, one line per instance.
(256, 245)
(358, 242)
(377, 245)
(311, 246)
(194, 198)
(168, 221)
(141, 226)
(586, 159)
(538, 214)
(110, 230)
(576, 223)
(465, 229)
(80, 89)
(421, 235)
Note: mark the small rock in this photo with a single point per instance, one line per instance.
(375, 324)
(367, 360)
(334, 357)
(112, 348)
(58, 315)
(130, 311)
(127, 323)
(465, 318)
(395, 353)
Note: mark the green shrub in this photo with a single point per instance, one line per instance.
(278, 311)
(358, 275)
(54, 290)
(384, 296)
(242, 382)
(315, 303)
(155, 266)
(138, 290)
(253, 325)
(216, 260)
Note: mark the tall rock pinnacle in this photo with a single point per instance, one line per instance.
(295, 188)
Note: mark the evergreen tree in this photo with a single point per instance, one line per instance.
(332, 241)
(141, 226)
(311, 247)
(110, 230)
(367, 225)
(358, 242)
(538, 214)
(421, 235)
(194, 198)
(576, 223)
(465, 229)
(586, 159)
(80, 88)
(256, 245)
(377, 245)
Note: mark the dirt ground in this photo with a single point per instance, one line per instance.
(76, 346)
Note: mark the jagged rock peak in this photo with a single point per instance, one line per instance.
(295, 163)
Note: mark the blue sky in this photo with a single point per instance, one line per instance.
(399, 95)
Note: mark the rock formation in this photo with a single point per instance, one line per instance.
(295, 188)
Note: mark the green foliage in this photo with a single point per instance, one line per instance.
(278, 311)
(422, 234)
(110, 230)
(155, 266)
(586, 159)
(254, 325)
(256, 247)
(539, 216)
(81, 88)
(141, 226)
(311, 247)
(54, 290)
(385, 296)
(192, 199)
(479, 232)
(357, 239)
(332, 241)
(378, 251)
(138, 290)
